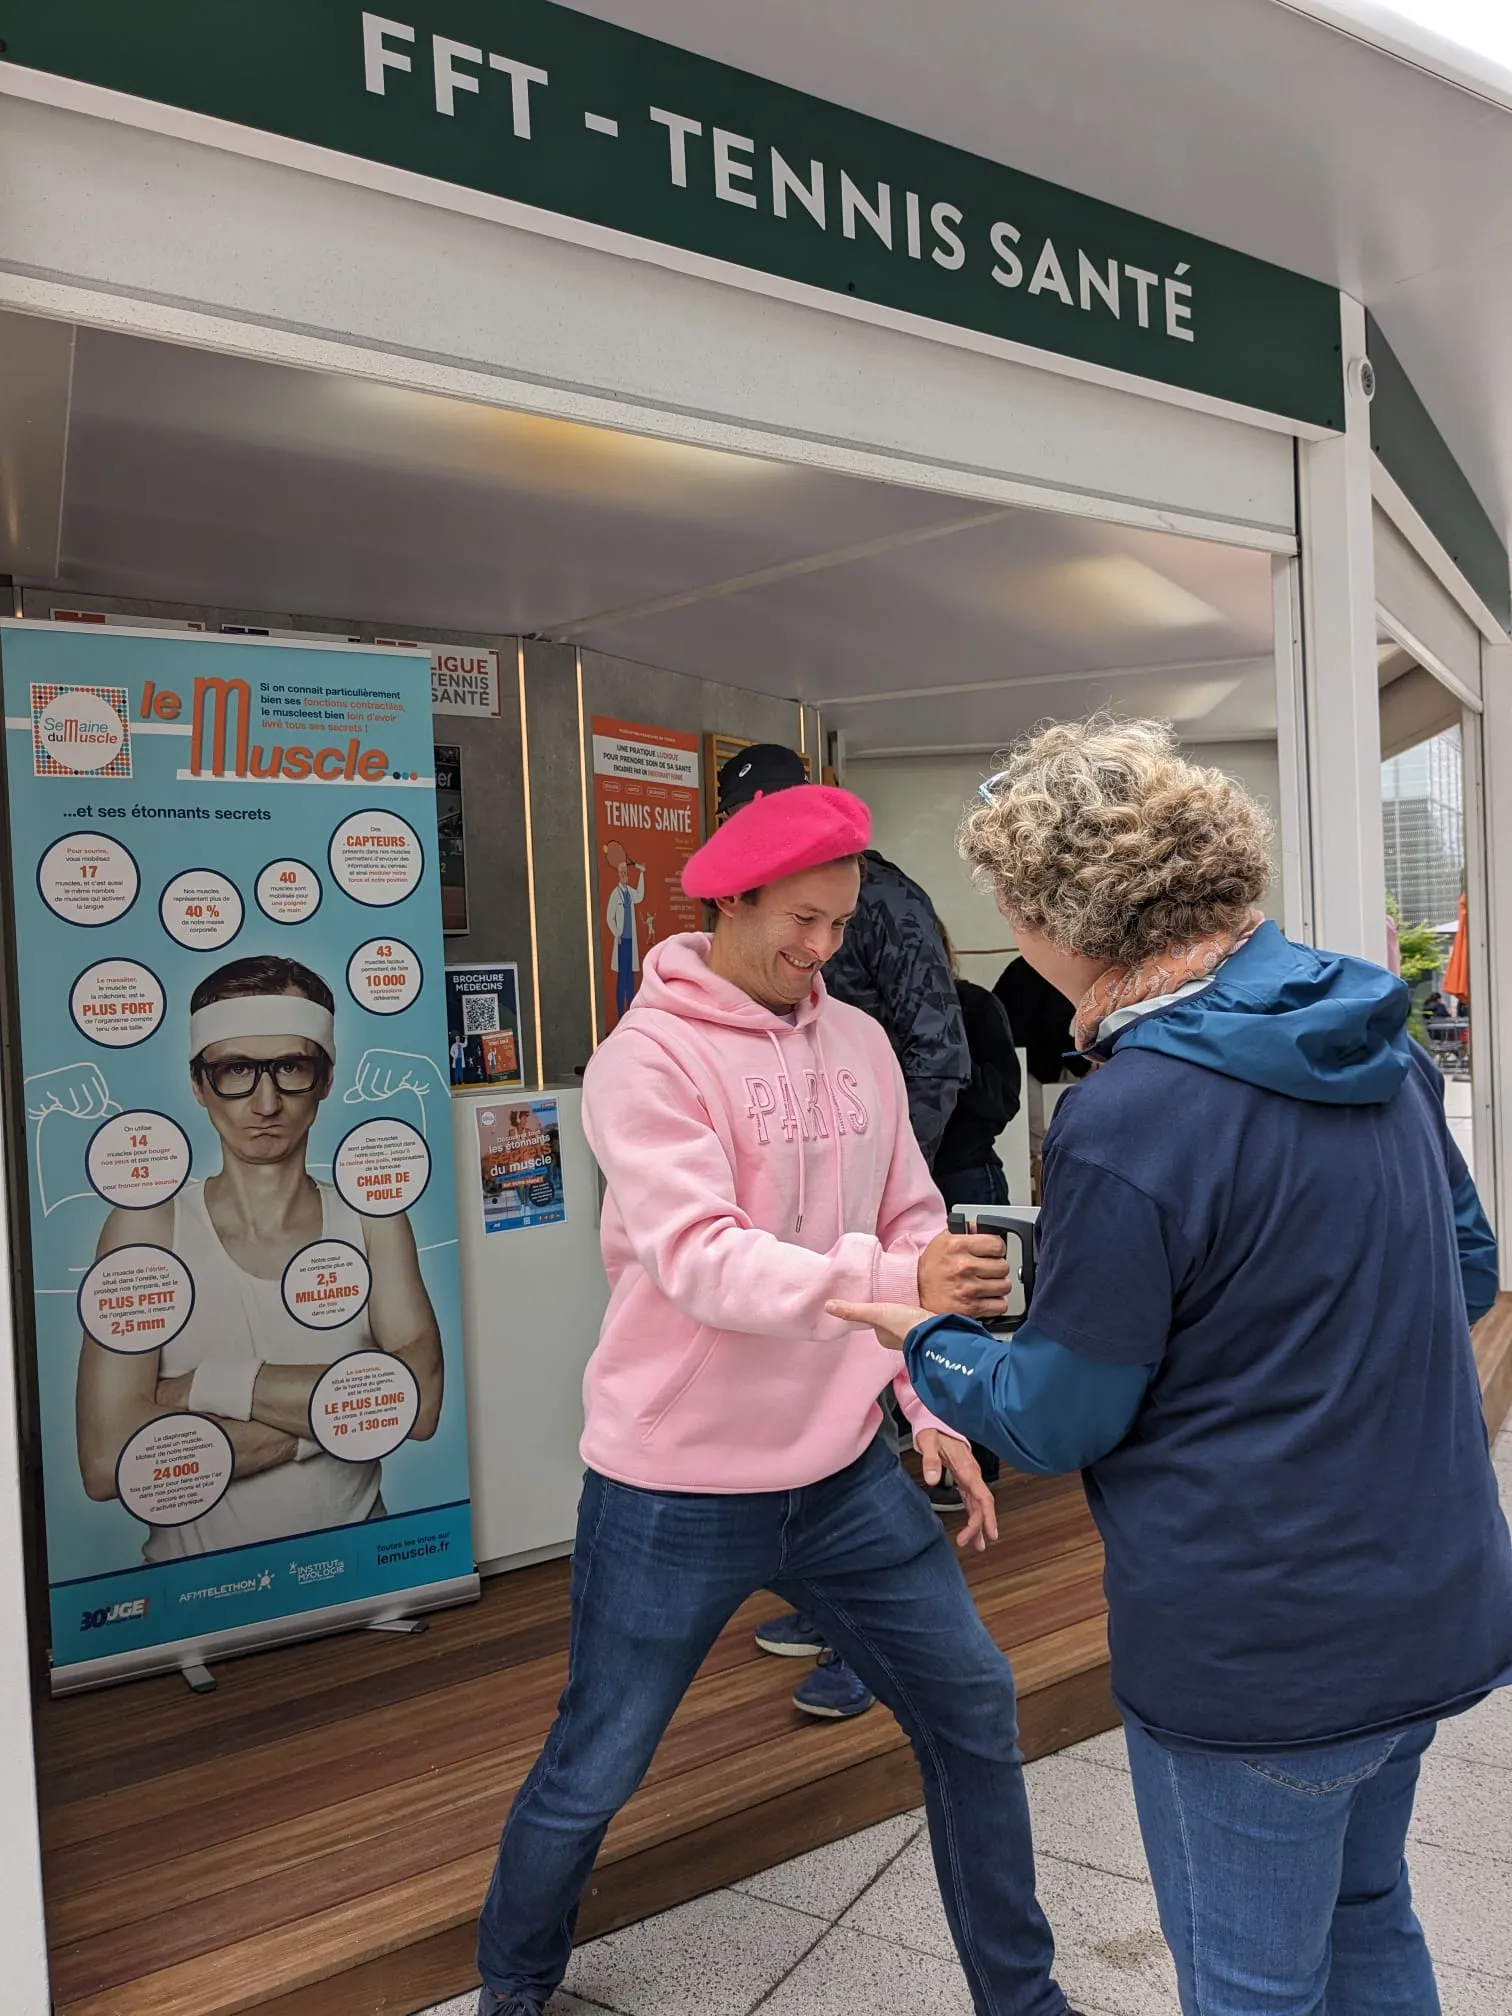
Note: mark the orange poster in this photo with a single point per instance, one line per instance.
(646, 817)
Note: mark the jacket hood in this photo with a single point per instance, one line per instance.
(676, 977)
(1311, 1025)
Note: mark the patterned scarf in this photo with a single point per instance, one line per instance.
(1161, 973)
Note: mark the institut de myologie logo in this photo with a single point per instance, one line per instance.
(80, 729)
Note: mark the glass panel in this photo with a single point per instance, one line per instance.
(1423, 828)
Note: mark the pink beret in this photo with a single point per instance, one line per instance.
(779, 834)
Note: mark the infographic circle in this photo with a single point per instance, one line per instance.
(385, 976)
(135, 1160)
(201, 909)
(117, 1003)
(327, 1284)
(175, 1469)
(88, 879)
(376, 858)
(382, 1168)
(364, 1406)
(288, 892)
(136, 1298)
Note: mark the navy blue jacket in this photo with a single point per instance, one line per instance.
(1260, 1253)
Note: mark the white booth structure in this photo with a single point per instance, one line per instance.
(702, 402)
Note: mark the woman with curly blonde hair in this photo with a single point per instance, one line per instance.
(1260, 1253)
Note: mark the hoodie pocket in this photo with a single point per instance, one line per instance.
(699, 1351)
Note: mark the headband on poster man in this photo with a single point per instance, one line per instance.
(262, 1015)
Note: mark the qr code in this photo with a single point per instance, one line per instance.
(480, 1014)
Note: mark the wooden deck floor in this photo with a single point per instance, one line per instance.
(315, 1837)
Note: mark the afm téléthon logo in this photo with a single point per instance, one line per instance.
(80, 730)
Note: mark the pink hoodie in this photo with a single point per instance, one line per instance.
(756, 1168)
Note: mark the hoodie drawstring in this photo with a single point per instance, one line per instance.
(824, 1080)
(783, 1074)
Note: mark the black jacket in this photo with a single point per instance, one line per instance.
(1040, 1018)
(990, 1101)
(893, 966)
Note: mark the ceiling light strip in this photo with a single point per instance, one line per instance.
(588, 913)
(530, 881)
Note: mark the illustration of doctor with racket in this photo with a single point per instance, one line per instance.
(624, 937)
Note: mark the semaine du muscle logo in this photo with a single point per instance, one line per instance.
(80, 730)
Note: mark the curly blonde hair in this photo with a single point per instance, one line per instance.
(1103, 836)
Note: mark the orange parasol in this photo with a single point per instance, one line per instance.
(1456, 979)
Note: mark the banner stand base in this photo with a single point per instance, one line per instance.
(409, 1627)
(199, 1678)
(192, 1656)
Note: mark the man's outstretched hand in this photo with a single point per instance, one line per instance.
(940, 1452)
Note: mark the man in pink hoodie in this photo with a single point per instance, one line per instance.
(755, 1139)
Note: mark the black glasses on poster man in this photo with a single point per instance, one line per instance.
(239, 1077)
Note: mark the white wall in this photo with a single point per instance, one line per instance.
(1257, 767)
(917, 802)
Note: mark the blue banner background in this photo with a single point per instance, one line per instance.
(387, 1066)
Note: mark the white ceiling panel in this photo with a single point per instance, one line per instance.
(909, 616)
(198, 477)
(1222, 702)
(1024, 595)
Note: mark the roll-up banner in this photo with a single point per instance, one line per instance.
(232, 1037)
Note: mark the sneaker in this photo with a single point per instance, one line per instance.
(833, 1691)
(490, 2004)
(791, 1637)
(944, 1497)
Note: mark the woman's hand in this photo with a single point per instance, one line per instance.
(892, 1321)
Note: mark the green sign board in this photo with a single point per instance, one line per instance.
(1403, 434)
(570, 114)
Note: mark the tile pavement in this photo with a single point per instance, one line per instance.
(858, 1927)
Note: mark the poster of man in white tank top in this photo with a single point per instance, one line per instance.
(233, 1041)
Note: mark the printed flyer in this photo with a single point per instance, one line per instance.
(233, 1042)
(646, 813)
(483, 1025)
(520, 1165)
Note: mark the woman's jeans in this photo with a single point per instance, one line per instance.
(1280, 1879)
(655, 1578)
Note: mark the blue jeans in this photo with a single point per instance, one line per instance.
(986, 1184)
(1280, 1879)
(655, 1578)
